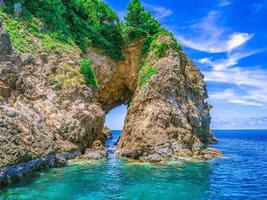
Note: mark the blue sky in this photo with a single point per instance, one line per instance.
(227, 39)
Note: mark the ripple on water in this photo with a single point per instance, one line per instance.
(241, 174)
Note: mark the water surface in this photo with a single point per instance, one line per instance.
(241, 174)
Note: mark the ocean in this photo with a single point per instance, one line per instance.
(240, 174)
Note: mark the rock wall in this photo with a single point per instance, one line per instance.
(117, 80)
(16, 172)
(45, 108)
(168, 118)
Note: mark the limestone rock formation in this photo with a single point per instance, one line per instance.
(168, 118)
(44, 107)
(49, 113)
(117, 80)
(18, 9)
(107, 133)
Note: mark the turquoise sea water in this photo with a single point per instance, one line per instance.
(241, 174)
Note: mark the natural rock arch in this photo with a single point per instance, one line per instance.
(117, 80)
(168, 118)
(43, 114)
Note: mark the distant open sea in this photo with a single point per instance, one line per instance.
(241, 174)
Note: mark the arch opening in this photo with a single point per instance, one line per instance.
(115, 121)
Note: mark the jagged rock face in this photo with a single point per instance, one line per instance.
(117, 80)
(168, 118)
(45, 108)
(5, 45)
(41, 111)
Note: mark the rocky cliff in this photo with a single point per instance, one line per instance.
(44, 106)
(46, 109)
(168, 118)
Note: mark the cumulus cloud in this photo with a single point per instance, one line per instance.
(159, 12)
(246, 86)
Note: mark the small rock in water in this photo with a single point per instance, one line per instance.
(94, 154)
(107, 133)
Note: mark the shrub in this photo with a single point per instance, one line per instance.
(82, 23)
(161, 49)
(88, 73)
(139, 23)
(145, 74)
(79, 23)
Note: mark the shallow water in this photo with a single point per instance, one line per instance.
(241, 174)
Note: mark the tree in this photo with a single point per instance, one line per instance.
(139, 22)
(88, 73)
(136, 14)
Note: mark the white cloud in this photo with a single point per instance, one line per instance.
(209, 43)
(210, 36)
(158, 11)
(231, 60)
(250, 82)
(223, 3)
(252, 86)
(230, 96)
(238, 123)
(238, 39)
(244, 86)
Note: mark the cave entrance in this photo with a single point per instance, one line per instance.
(115, 122)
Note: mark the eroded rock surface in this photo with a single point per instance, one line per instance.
(117, 80)
(169, 118)
(45, 108)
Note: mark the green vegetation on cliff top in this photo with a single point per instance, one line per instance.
(63, 25)
(66, 25)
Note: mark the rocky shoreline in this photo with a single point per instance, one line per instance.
(14, 173)
(47, 109)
